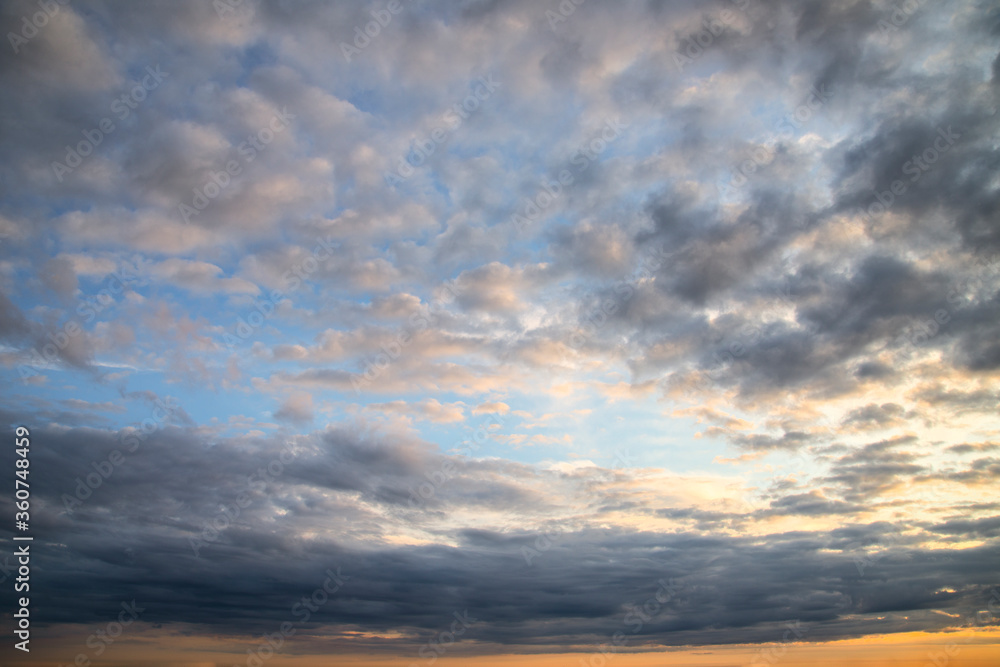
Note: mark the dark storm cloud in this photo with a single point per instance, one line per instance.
(874, 305)
(884, 295)
(880, 290)
(574, 585)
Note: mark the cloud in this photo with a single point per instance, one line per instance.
(491, 407)
(726, 576)
(968, 448)
(200, 276)
(297, 408)
(430, 409)
(747, 342)
(872, 416)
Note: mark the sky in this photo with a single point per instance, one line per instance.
(403, 332)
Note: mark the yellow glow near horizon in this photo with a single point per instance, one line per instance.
(967, 647)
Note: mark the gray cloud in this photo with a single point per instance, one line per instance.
(820, 196)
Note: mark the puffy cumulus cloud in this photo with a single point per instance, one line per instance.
(876, 417)
(146, 231)
(395, 306)
(296, 408)
(600, 250)
(200, 276)
(66, 52)
(430, 409)
(89, 265)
